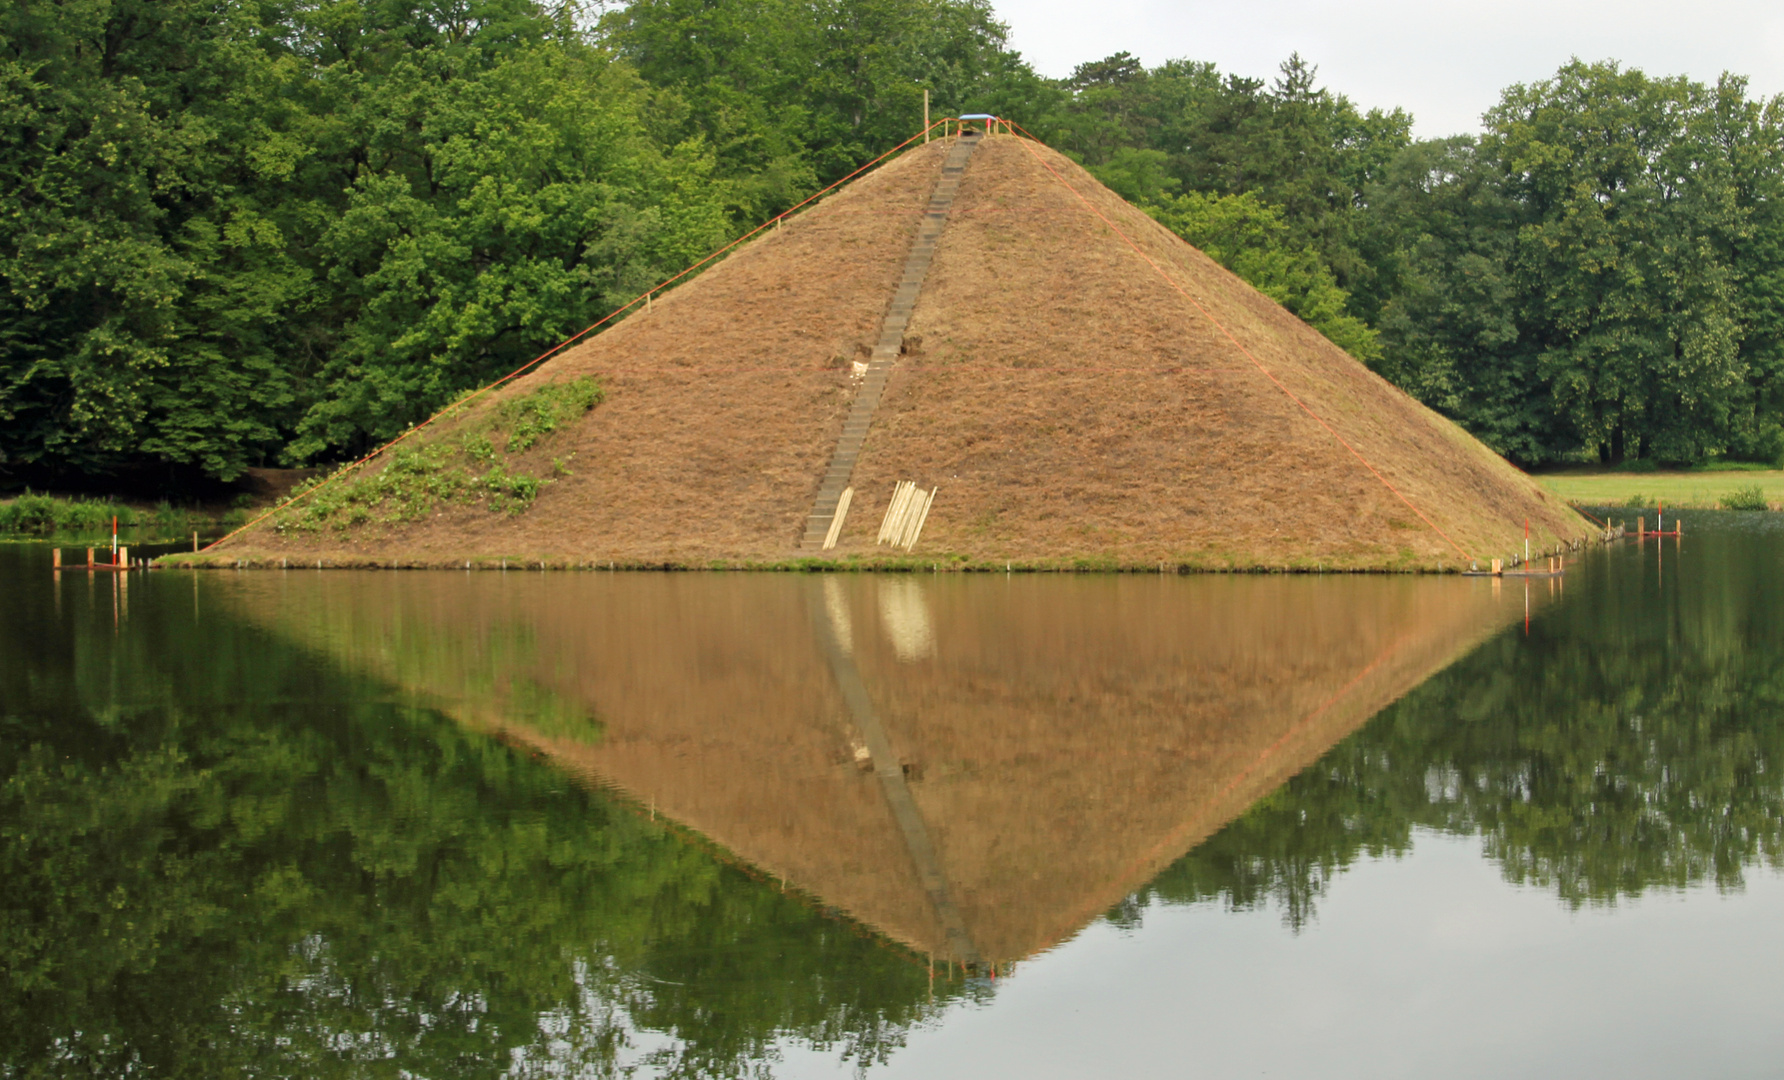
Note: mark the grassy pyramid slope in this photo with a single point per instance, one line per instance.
(1071, 405)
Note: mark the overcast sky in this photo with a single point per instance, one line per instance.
(1445, 62)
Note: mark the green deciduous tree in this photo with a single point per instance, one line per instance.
(1452, 325)
(236, 223)
(1595, 273)
(796, 93)
(1622, 258)
(510, 208)
(143, 280)
(1250, 238)
(1293, 144)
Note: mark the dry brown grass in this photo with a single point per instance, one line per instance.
(1067, 399)
(1069, 403)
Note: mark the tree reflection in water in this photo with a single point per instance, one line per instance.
(1633, 741)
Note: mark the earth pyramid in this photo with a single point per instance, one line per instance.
(1035, 370)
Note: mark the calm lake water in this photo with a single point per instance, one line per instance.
(340, 824)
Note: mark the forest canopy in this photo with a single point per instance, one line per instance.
(265, 232)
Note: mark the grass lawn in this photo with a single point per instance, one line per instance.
(1688, 489)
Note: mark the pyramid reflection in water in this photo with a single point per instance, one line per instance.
(973, 766)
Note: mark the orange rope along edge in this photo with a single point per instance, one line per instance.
(1247, 353)
(1578, 509)
(353, 466)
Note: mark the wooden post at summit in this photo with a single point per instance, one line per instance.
(925, 116)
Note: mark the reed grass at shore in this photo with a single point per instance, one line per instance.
(38, 515)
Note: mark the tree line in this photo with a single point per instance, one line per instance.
(263, 232)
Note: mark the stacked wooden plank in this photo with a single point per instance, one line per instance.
(905, 515)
